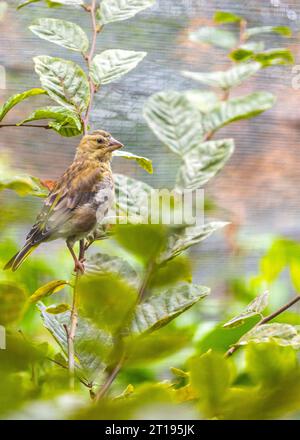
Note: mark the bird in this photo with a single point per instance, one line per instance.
(79, 200)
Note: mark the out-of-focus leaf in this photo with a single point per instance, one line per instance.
(103, 264)
(3, 9)
(61, 32)
(89, 342)
(282, 334)
(27, 2)
(227, 78)
(53, 3)
(295, 274)
(48, 289)
(144, 162)
(112, 64)
(19, 354)
(132, 197)
(274, 57)
(285, 31)
(65, 122)
(64, 81)
(179, 242)
(174, 121)
(204, 101)
(215, 36)
(270, 363)
(15, 99)
(146, 399)
(159, 310)
(254, 308)
(211, 376)
(60, 308)
(142, 349)
(24, 185)
(170, 272)
(221, 17)
(247, 51)
(12, 302)
(202, 163)
(220, 338)
(107, 299)
(237, 109)
(145, 241)
(117, 10)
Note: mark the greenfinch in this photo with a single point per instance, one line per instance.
(79, 200)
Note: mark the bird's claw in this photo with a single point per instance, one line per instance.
(79, 266)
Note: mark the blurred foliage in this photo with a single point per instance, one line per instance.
(141, 318)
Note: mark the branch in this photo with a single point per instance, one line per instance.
(27, 125)
(88, 58)
(72, 331)
(265, 320)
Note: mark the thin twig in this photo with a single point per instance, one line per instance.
(26, 126)
(71, 332)
(88, 59)
(265, 320)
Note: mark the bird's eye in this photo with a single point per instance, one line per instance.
(99, 141)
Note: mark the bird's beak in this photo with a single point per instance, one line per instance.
(114, 144)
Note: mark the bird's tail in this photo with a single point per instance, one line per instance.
(20, 256)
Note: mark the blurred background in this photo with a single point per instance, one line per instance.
(257, 190)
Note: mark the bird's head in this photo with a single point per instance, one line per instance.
(98, 145)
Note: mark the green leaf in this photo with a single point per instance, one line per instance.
(295, 274)
(102, 264)
(141, 349)
(227, 78)
(90, 342)
(202, 163)
(27, 2)
(144, 241)
(247, 51)
(282, 334)
(211, 376)
(170, 273)
(144, 162)
(236, 109)
(53, 3)
(285, 31)
(274, 57)
(56, 310)
(112, 64)
(47, 290)
(12, 302)
(190, 236)
(221, 17)
(23, 185)
(215, 36)
(66, 122)
(204, 101)
(159, 310)
(61, 32)
(117, 10)
(3, 9)
(174, 121)
(15, 99)
(106, 299)
(64, 81)
(132, 196)
(254, 308)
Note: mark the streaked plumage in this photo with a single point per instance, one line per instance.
(79, 199)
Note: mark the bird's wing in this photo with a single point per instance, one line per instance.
(75, 188)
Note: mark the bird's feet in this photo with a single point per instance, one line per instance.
(79, 266)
